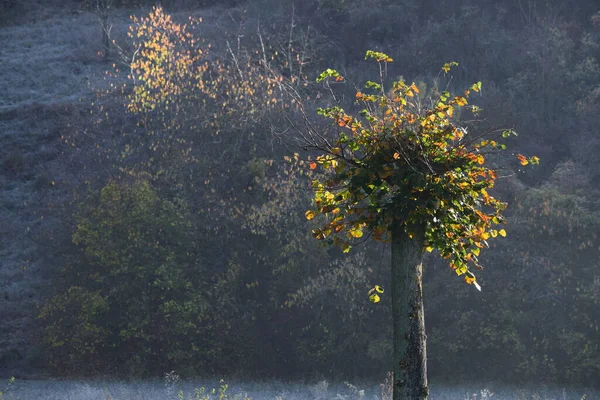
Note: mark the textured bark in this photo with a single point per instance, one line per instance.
(105, 38)
(410, 357)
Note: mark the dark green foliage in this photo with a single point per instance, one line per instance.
(123, 301)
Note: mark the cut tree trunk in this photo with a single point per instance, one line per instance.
(410, 357)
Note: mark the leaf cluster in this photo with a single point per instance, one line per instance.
(400, 160)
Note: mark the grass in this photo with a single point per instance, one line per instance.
(176, 389)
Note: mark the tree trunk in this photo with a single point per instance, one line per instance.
(105, 38)
(410, 358)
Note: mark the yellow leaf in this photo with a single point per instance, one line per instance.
(310, 214)
(374, 298)
(429, 249)
(378, 289)
(356, 233)
(461, 270)
(471, 280)
(502, 232)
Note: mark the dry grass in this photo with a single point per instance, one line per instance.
(46, 66)
(157, 390)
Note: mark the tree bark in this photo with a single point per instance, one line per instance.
(105, 38)
(410, 358)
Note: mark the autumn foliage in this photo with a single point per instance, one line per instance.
(406, 158)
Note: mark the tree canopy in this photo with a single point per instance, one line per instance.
(406, 158)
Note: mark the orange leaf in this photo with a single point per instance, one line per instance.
(313, 165)
(522, 159)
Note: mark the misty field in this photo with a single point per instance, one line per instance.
(172, 388)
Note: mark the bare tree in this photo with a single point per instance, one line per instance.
(101, 8)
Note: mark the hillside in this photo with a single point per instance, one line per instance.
(142, 237)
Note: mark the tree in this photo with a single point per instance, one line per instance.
(130, 289)
(406, 172)
(101, 8)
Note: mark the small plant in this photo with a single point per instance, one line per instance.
(213, 394)
(319, 391)
(5, 390)
(387, 387)
(484, 394)
(171, 379)
(356, 392)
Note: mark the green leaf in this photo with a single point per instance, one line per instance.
(328, 73)
(373, 85)
(374, 298)
(461, 270)
(378, 56)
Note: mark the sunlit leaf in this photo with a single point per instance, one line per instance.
(374, 298)
(356, 233)
(522, 159)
